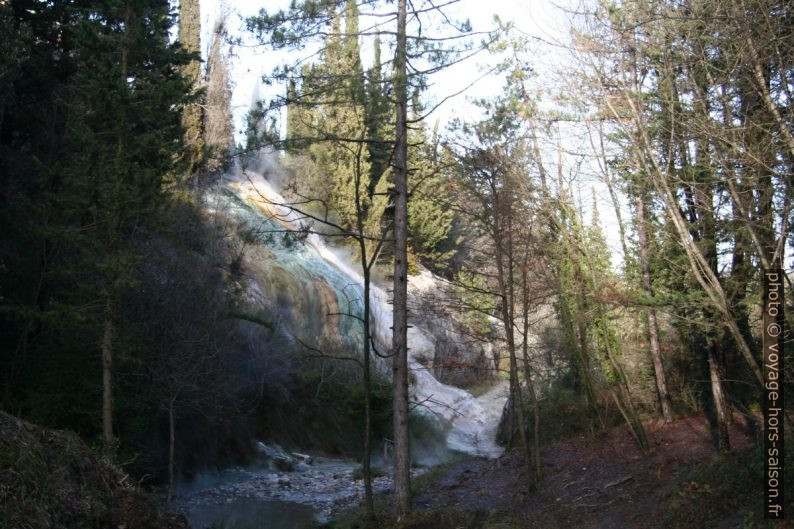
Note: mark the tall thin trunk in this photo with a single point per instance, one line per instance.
(366, 464)
(536, 460)
(402, 476)
(720, 402)
(653, 328)
(366, 272)
(511, 421)
(107, 373)
(113, 238)
(504, 267)
(171, 436)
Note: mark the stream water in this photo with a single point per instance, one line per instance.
(263, 497)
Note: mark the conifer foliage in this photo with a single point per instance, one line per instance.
(90, 132)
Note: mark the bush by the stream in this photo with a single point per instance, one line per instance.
(324, 411)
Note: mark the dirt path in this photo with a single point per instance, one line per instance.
(602, 483)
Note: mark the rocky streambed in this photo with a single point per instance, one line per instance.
(282, 494)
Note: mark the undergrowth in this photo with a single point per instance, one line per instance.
(727, 489)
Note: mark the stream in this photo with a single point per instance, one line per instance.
(261, 496)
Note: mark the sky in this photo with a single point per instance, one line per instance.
(540, 19)
(545, 22)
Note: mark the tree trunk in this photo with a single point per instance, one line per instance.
(366, 464)
(720, 403)
(107, 374)
(511, 422)
(504, 268)
(520, 412)
(399, 351)
(171, 435)
(113, 229)
(653, 328)
(536, 460)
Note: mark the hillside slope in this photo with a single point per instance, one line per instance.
(51, 479)
(607, 483)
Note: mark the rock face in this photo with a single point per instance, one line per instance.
(433, 346)
(51, 479)
(459, 361)
(460, 358)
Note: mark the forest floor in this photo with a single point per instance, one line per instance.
(607, 483)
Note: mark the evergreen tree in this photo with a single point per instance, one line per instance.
(430, 215)
(303, 108)
(379, 119)
(86, 143)
(190, 38)
(328, 118)
(307, 21)
(218, 127)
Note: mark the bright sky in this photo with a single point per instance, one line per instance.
(539, 19)
(543, 21)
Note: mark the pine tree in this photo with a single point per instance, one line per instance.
(305, 21)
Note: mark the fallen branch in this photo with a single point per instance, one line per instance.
(621, 481)
(572, 483)
(597, 506)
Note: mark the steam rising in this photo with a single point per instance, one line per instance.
(469, 423)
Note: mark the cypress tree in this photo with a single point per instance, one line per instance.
(190, 38)
(301, 115)
(379, 120)
(429, 217)
(334, 124)
(218, 128)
